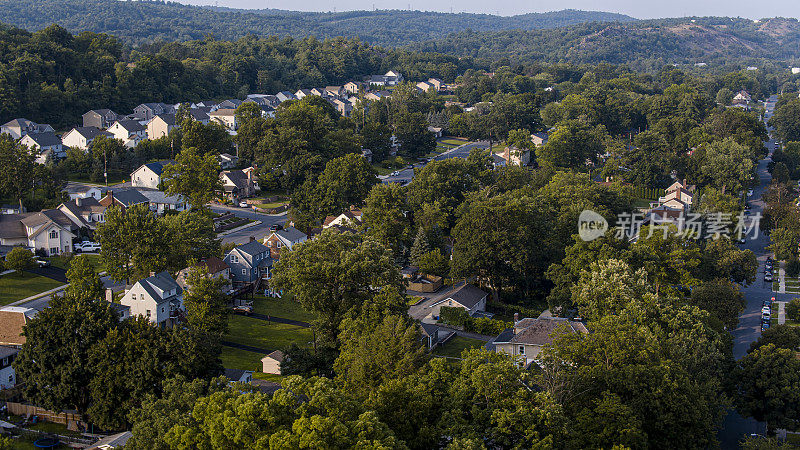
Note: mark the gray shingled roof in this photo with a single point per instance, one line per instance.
(252, 248)
(128, 196)
(465, 294)
(162, 281)
(90, 132)
(131, 126)
(46, 139)
(291, 234)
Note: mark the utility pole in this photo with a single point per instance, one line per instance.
(105, 166)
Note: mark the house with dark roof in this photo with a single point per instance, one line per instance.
(284, 96)
(462, 295)
(249, 263)
(160, 202)
(123, 197)
(147, 111)
(130, 132)
(351, 219)
(237, 184)
(229, 104)
(85, 212)
(111, 442)
(239, 375)
(149, 175)
(529, 336)
(159, 298)
(225, 117)
(49, 230)
(48, 144)
(82, 137)
(284, 239)
(433, 335)
(228, 161)
(100, 118)
(200, 115)
(160, 126)
(302, 93)
(272, 362)
(81, 190)
(18, 128)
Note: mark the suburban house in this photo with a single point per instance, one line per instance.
(335, 91)
(228, 161)
(351, 218)
(12, 321)
(85, 212)
(160, 126)
(18, 128)
(432, 335)
(82, 137)
(424, 86)
(147, 111)
(48, 144)
(286, 238)
(530, 336)
(272, 362)
(225, 117)
(437, 131)
(539, 139)
(463, 295)
(200, 115)
(302, 93)
(149, 175)
(516, 157)
(49, 230)
(742, 97)
(239, 375)
(158, 298)
(238, 184)
(678, 197)
(249, 263)
(8, 376)
(124, 198)
(229, 104)
(345, 108)
(213, 267)
(393, 77)
(284, 96)
(367, 154)
(319, 92)
(130, 132)
(79, 190)
(352, 87)
(100, 118)
(375, 96)
(436, 83)
(160, 202)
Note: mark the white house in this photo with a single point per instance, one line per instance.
(286, 238)
(529, 336)
(130, 132)
(158, 297)
(18, 128)
(225, 117)
(272, 362)
(8, 377)
(465, 296)
(82, 137)
(149, 175)
(47, 143)
(351, 218)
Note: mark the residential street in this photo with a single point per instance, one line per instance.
(735, 426)
(406, 175)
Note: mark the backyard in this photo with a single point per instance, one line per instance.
(14, 286)
(457, 344)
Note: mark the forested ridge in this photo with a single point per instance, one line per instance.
(148, 21)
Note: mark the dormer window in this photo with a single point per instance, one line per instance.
(53, 234)
(234, 259)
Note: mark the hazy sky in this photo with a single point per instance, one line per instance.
(637, 8)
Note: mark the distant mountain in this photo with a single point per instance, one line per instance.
(653, 43)
(147, 21)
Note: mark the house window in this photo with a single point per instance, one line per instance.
(53, 250)
(5, 362)
(244, 271)
(148, 313)
(11, 379)
(269, 243)
(234, 259)
(53, 234)
(522, 350)
(133, 296)
(162, 309)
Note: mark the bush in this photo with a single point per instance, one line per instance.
(41, 253)
(483, 325)
(793, 268)
(793, 310)
(434, 263)
(19, 259)
(66, 258)
(453, 315)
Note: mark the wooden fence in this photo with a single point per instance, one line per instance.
(70, 420)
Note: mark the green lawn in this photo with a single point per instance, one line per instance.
(14, 287)
(414, 300)
(285, 308)
(270, 205)
(456, 345)
(268, 376)
(453, 141)
(94, 258)
(233, 358)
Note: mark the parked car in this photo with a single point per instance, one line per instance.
(768, 277)
(86, 246)
(275, 227)
(244, 205)
(41, 262)
(243, 309)
(765, 326)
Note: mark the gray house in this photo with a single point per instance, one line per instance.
(249, 262)
(100, 118)
(146, 111)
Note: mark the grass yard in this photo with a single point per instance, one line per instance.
(413, 300)
(94, 258)
(456, 345)
(268, 377)
(234, 358)
(14, 287)
(453, 141)
(270, 205)
(285, 308)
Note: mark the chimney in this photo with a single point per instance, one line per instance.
(79, 201)
(109, 295)
(252, 238)
(516, 318)
(152, 274)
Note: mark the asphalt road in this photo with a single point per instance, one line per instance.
(406, 175)
(259, 232)
(735, 427)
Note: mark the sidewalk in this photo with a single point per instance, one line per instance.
(781, 313)
(234, 230)
(781, 279)
(39, 295)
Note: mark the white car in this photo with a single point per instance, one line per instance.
(750, 193)
(244, 205)
(87, 246)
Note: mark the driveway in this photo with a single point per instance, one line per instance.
(52, 272)
(259, 232)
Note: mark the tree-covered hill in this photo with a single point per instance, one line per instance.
(647, 44)
(146, 21)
